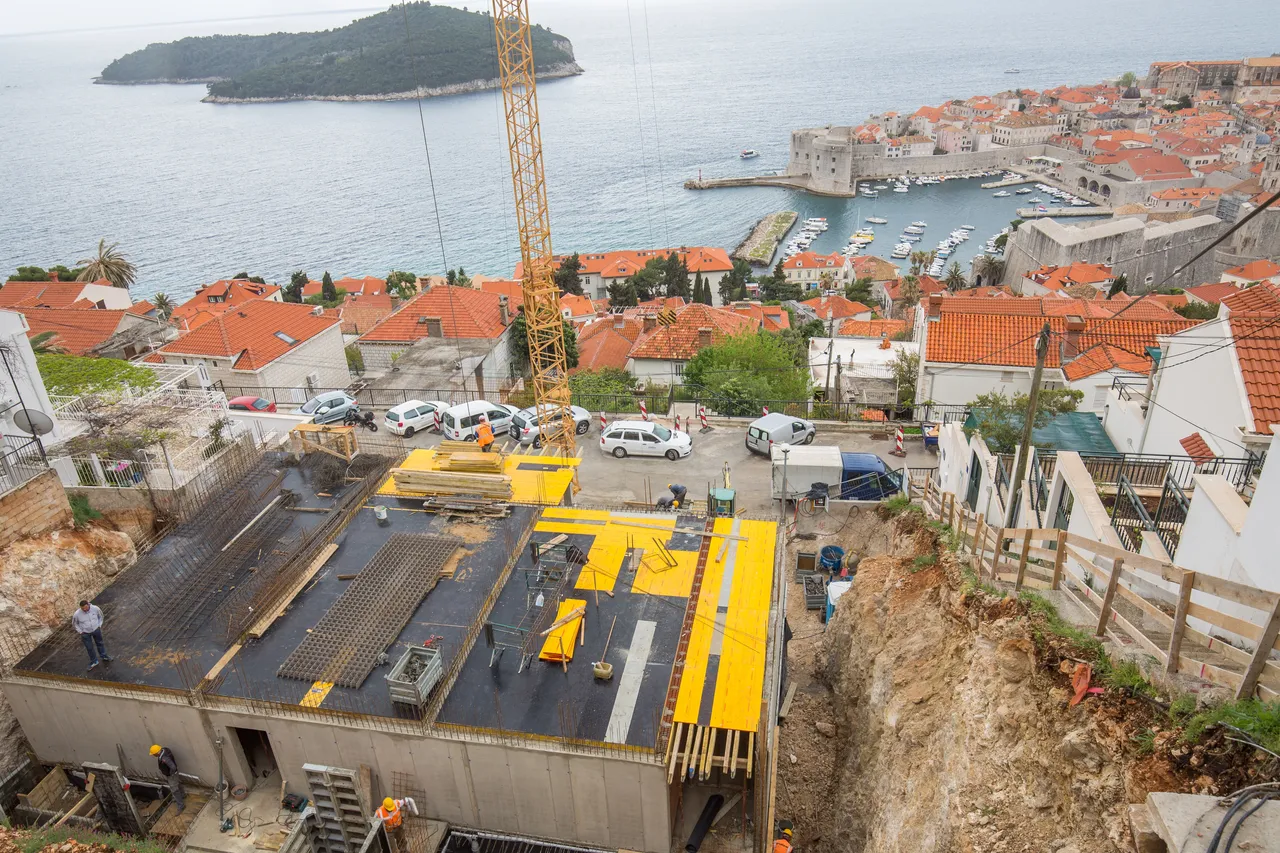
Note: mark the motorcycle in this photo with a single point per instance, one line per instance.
(355, 417)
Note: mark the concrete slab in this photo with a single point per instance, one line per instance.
(257, 816)
(1187, 823)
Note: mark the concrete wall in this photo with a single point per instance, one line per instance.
(322, 355)
(949, 384)
(1123, 421)
(1122, 191)
(1146, 253)
(36, 507)
(816, 151)
(1204, 385)
(611, 802)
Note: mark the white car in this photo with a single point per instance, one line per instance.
(458, 423)
(525, 429)
(413, 416)
(641, 438)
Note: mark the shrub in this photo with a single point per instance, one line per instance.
(1260, 721)
(81, 512)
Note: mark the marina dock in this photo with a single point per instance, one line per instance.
(1033, 213)
(1011, 182)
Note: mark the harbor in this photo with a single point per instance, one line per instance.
(1056, 212)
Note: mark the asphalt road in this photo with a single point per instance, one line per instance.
(605, 479)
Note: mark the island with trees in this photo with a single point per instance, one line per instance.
(418, 50)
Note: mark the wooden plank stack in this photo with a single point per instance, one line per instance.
(491, 486)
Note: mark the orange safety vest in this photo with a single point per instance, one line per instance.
(391, 819)
(484, 434)
(782, 845)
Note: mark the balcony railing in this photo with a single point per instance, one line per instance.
(21, 460)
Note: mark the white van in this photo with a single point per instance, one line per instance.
(459, 422)
(777, 428)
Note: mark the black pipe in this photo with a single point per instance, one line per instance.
(704, 823)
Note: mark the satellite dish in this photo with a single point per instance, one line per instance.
(33, 421)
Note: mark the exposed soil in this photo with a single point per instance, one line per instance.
(930, 715)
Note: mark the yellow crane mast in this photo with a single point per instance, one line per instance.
(542, 316)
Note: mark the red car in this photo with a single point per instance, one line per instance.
(251, 404)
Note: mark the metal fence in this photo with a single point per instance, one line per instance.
(1039, 488)
(21, 461)
(1129, 516)
(1170, 515)
(1151, 470)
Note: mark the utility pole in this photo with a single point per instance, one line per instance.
(831, 345)
(838, 371)
(1015, 491)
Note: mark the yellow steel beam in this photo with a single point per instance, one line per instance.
(542, 316)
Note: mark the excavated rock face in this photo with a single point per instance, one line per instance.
(950, 737)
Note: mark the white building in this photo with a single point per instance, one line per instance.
(20, 384)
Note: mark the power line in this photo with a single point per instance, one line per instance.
(657, 139)
(644, 166)
(422, 123)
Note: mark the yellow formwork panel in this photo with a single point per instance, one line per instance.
(740, 678)
(316, 694)
(561, 641)
(569, 513)
(693, 678)
(654, 578)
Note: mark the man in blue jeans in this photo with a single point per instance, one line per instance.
(88, 624)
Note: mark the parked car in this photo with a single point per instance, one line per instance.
(413, 416)
(777, 428)
(458, 423)
(525, 429)
(251, 404)
(641, 438)
(329, 407)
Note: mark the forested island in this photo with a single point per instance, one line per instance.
(444, 51)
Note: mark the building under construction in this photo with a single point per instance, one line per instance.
(521, 666)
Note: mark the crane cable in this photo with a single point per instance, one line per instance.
(644, 165)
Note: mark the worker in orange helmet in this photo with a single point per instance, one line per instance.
(783, 842)
(391, 813)
(484, 433)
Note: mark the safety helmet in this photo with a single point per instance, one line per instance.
(155, 749)
(784, 827)
(675, 504)
(388, 804)
(786, 830)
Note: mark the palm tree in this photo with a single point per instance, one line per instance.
(45, 343)
(163, 306)
(110, 264)
(909, 293)
(955, 279)
(918, 260)
(988, 270)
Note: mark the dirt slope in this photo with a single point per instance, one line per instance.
(929, 718)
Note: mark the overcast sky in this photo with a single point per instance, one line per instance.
(37, 16)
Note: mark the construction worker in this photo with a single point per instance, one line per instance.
(169, 770)
(676, 500)
(484, 433)
(391, 813)
(783, 842)
(87, 620)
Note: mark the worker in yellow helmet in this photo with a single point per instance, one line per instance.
(391, 813)
(169, 770)
(783, 842)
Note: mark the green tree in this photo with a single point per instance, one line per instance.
(733, 285)
(402, 284)
(457, 278)
(859, 290)
(519, 343)
(567, 276)
(29, 274)
(111, 264)
(1120, 285)
(1184, 103)
(1197, 311)
(1127, 79)
(355, 359)
(164, 306)
(675, 277)
(987, 270)
(607, 389)
(744, 371)
(293, 290)
(622, 294)
(955, 279)
(244, 276)
(1001, 241)
(919, 260)
(776, 288)
(640, 286)
(328, 292)
(339, 296)
(797, 336)
(909, 292)
(74, 376)
(1000, 418)
(906, 367)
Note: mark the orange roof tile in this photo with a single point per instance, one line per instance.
(361, 312)
(607, 342)
(813, 260)
(1257, 344)
(1213, 293)
(1260, 299)
(1105, 357)
(213, 299)
(254, 334)
(140, 308)
(463, 313)
(872, 328)
(1060, 278)
(40, 294)
(680, 340)
(1253, 271)
(835, 306)
(366, 286)
(624, 263)
(577, 306)
(772, 318)
(77, 331)
(1197, 448)
(659, 303)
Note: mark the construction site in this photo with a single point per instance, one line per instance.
(514, 663)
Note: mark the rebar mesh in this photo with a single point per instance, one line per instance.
(344, 646)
